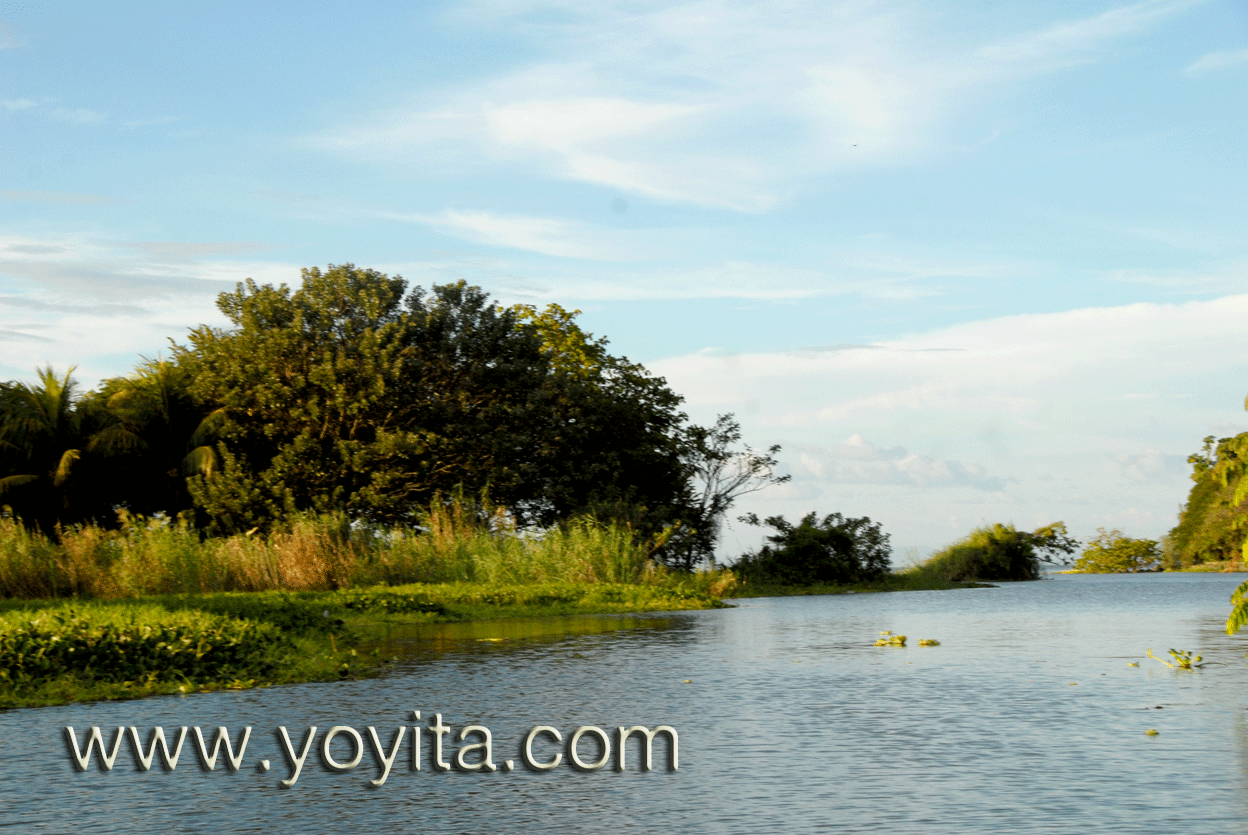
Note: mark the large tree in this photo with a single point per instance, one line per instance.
(349, 394)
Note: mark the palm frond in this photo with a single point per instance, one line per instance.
(116, 440)
(68, 459)
(202, 460)
(15, 482)
(209, 428)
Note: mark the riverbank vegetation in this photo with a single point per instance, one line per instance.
(153, 606)
(458, 542)
(998, 553)
(56, 651)
(1213, 522)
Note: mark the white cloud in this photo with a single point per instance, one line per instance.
(1153, 465)
(534, 234)
(1085, 415)
(857, 461)
(1217, 61)
(17, 104)
(100, 304)
(718, 103)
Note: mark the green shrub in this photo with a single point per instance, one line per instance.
(998, 552)
(833, 551)
(1111, 552)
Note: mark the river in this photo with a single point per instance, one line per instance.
(1028, 717)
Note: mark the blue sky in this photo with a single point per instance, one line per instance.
(966, 262)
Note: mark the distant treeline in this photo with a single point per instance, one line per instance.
(352, 395)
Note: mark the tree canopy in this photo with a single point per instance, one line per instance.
(353, 393)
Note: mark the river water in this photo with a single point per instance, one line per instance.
(1028, 717)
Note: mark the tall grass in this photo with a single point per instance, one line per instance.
(457, 543)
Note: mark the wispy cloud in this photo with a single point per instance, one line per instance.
(720, 104)
(21, 336)
(77, 115)
(1217, 61)
(94, 302)
(534, 234)
(16, 104)
(1081, 40)
(857, 461)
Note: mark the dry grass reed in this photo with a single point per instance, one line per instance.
(457, 543)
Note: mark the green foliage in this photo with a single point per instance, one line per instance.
(1214, 520)
(834, 550)
(347, 395)
(1239, 609)
(135, 644)
(888, 639)
(43, 432)
(1112, 552)
(67, 459)
(999, 552)
(156, 435)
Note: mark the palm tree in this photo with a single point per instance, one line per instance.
(157, 436)
(41, 442)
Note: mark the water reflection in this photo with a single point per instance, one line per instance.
(425, 642)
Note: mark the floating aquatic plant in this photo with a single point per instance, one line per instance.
(929, 642)
(888, 639)
(1183, 660)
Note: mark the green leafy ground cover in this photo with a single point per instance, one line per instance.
(56, 651)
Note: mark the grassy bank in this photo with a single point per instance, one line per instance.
(57, 651)
(154, 608)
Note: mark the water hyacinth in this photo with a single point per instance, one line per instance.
(146, 643)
